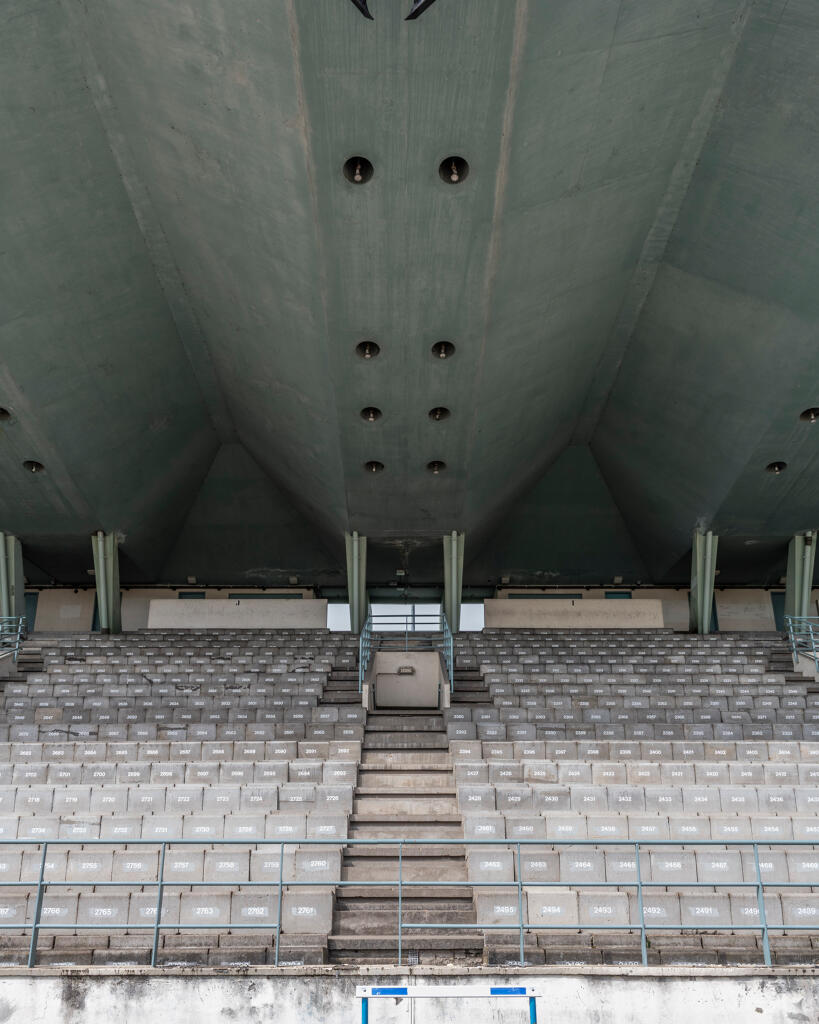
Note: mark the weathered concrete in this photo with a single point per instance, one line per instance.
(238, 614)
(419, 689)
(584, 614)
(327, 996)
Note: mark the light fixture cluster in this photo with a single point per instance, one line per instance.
(369, 350)
(811, 416)
(358, 170)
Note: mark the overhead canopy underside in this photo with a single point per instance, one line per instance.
(629, 273)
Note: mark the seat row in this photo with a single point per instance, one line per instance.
(615, 773)
(696, 732)
(167, 773)
(119, 828)
(33, 734)
(560, 750)
(90, 752)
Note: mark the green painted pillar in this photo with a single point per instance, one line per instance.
(12, 582)
(799, 580)
(703, 573)
(453, 578)
(105, 547)
(357, 579)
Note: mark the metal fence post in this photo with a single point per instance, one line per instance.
(159, 890)
(38, 907)
(763, 920)
(364, 1010)
(532, 1010)
(643, 943)
(520, 908)
(400, 898)
(279, 917)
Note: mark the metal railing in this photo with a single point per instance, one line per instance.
(12, 634)
(405, 632)
(758, 886)
(803, 633)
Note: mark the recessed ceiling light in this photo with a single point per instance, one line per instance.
(370, 414)
(436, 466)
(453, 170)
(439, 413)
(776, 467)
(750, 543)
(191, 579)
(358, 170)
(443, 349)
(292, 580)
(368, 349)
(374, 466)
(33, 466)
(811, 415)
(5, 415)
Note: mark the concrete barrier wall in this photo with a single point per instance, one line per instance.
(613, 996)
(419, 690)
(587, 613)
(744, 609)
(237, 614)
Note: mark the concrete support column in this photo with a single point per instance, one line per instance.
(12, 584)
(357, 579)
(453, 578)
(105, 547)
(703, 571)
(799, 582)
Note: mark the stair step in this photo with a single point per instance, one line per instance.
(439, 940)
(390, 851)
(440, 893)
(407, 740)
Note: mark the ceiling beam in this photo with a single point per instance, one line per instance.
(656, 241)
(159, 251)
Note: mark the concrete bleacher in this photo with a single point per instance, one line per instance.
(167, 736)
(605, 737)
(226, 740)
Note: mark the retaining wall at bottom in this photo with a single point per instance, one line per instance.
(327, 996)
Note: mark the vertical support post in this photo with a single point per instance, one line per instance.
(532, 1010)
(520, 908)
(38, 910)
(400, 900)
(365, 1014)
(643, 943)
(760, 898)
(703, 572)
(160, 885)
(799, 579)
(453, 577)
(356, 547)
(279, 916)
(105, 547)
(12, 583)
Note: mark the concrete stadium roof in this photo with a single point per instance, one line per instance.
(629, 274)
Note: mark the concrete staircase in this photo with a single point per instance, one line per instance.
(406, 790)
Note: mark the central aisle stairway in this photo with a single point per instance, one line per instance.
(406, 790)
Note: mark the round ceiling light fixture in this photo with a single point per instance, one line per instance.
(32, 466)
(453, 170)
(809, 415)
(440, 412)
(358, 170)
(436, 467)
(374, 466)
(776, 467)
(367, 349)
(370, 413)
(443, 350)
(5, 415)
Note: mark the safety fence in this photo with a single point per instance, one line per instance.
(12, 634)
(803, 633)
(758, 886)
(412, 631)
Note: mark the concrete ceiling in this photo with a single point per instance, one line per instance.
(628, 273)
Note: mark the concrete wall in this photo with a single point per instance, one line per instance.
(584, 614)
(419, 690)
(744, 609)
(65, 611)
(614, 995)
(237, 614)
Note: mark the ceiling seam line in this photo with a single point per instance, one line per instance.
(166, 270)
(301, 102)
(501, 178)
(652, 254)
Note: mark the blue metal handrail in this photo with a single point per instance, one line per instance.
(408, 631)
(12, 634)
(517, 845)
(803, 633)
